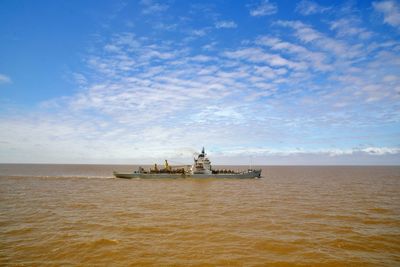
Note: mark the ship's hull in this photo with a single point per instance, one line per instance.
(244, 175)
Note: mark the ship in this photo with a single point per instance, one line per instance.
(201, 168)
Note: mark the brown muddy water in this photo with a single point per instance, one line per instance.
(69, 215)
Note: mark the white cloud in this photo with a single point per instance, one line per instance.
(259, 56)
(321, 41)
(201, 58)
(228, 24)
(264, 8)
(5, 79)
(219, 114)
(376, 151)
(198, 33)
(165, 27)
(349, 26)
(209, 47)
(152, 7)
(79, 78)
(303, 31)
(306, 7)
(381, 150)
(390, 10)
(316, 60)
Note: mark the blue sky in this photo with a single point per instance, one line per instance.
(271, 82)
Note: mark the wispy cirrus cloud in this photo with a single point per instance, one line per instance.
(321, 41)
(258, 55)
(263, 8)
(349, 27)
(199, 32)
(314, 59)
(307, 7)
(390, 10)
(4, 79)
(227, 24)
(152, 7)
(136, 93)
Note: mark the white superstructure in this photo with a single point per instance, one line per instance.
(202, 164)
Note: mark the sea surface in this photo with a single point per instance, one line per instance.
(78, 215)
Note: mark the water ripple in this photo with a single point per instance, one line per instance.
(294, 216)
